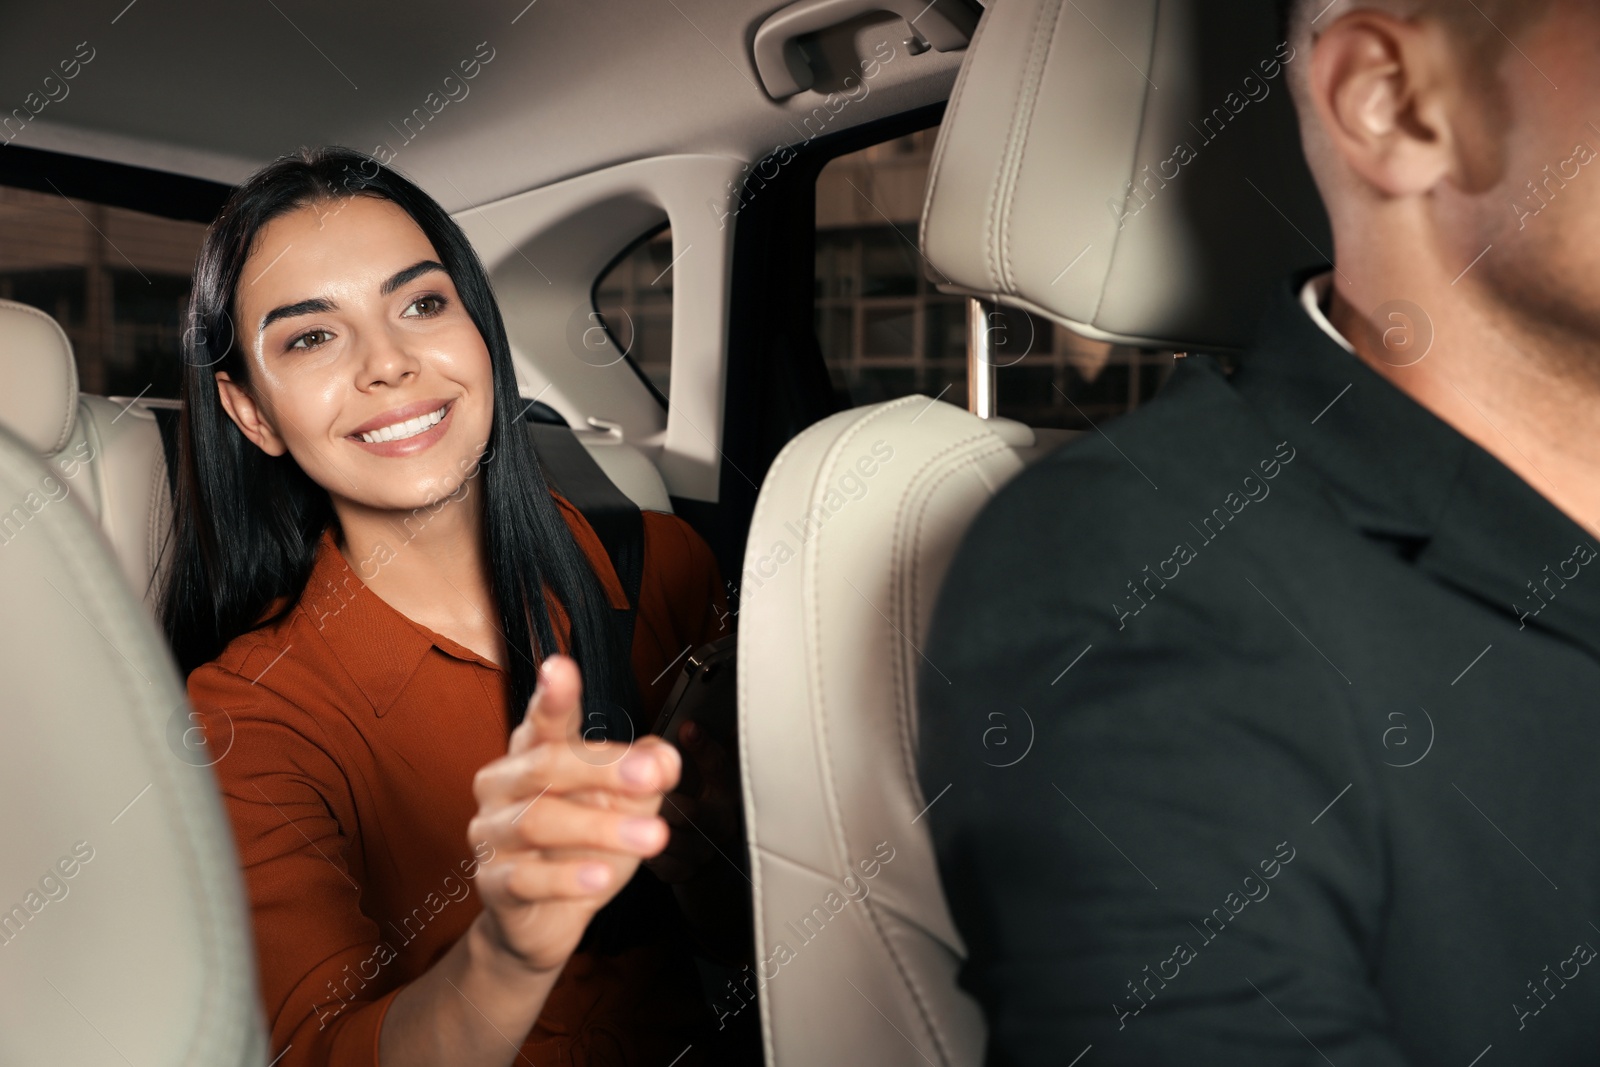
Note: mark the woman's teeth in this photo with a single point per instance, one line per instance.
(402, 430)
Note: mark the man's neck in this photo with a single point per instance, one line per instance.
(1495, 384)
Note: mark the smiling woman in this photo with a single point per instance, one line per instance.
(234, 438)
(345, 370)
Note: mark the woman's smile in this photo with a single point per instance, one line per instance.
(405, 431)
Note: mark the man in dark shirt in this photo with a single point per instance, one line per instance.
(1270, 715)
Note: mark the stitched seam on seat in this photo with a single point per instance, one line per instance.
(762, 506)
(871, 906)
(917, 996)
(1138, 137)
(817, 712)
(935, 169)
(158, 482)
(820, 717)
(908, 752)
(71, 371)
(903, 687)
(998, 447)
(908, 747)
(998, 190)
(1038, 63)
(810, 600)
(994, 236)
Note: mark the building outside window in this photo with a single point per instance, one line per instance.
(886, 331)
(116, 280)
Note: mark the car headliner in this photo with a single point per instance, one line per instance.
(214, 91)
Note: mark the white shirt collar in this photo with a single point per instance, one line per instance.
(1313, 295)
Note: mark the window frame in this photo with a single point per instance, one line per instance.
(777, 383)
(594, 302)
(154, 192)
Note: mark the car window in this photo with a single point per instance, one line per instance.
(885, 331)
(116, 280)
(633, 298)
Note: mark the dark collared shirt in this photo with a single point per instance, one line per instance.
(1323, 785)
(348, 737)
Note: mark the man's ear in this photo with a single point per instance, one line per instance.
(1385, 90)
(248, 416)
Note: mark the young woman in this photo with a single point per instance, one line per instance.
(372, 584)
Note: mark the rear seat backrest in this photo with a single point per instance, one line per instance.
(105, 455)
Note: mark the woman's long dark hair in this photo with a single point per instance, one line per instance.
(247, 524)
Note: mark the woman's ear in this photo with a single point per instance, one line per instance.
(248, 416)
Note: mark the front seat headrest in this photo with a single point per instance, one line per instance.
(40, 398)
(1128, 168)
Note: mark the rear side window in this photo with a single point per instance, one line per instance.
(886, 332)
(116, 280)
(633, 302)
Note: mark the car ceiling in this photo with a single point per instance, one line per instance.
(570, 86)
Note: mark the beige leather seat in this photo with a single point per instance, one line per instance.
(855, 525)
(123, 934)
(1128, 168)
(106, 456)
(1040, 198)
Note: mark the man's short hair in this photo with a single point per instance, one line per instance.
(1484, 29)
(1484, 22)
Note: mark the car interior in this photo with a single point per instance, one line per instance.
(818, 277)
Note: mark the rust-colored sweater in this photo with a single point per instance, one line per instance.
(346, 738)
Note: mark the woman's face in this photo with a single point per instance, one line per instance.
(363, 364)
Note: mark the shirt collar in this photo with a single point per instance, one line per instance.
(1314, 298)
(377, 646)
(1399, 472)
(381, 648)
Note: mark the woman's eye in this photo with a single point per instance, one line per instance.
(311, 339)
(425, 306)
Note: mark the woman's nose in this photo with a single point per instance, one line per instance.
(385, 362)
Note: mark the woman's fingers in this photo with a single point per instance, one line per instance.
(569, 820)
(646, 767)
(530, 879)
(553, 822)
(555, 711)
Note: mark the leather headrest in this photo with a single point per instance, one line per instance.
(1129, 168)
(38, 378)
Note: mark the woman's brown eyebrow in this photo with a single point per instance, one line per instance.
(306, 307)
(416, 270)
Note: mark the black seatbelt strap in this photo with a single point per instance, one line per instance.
(167, 426)
(616, 519)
